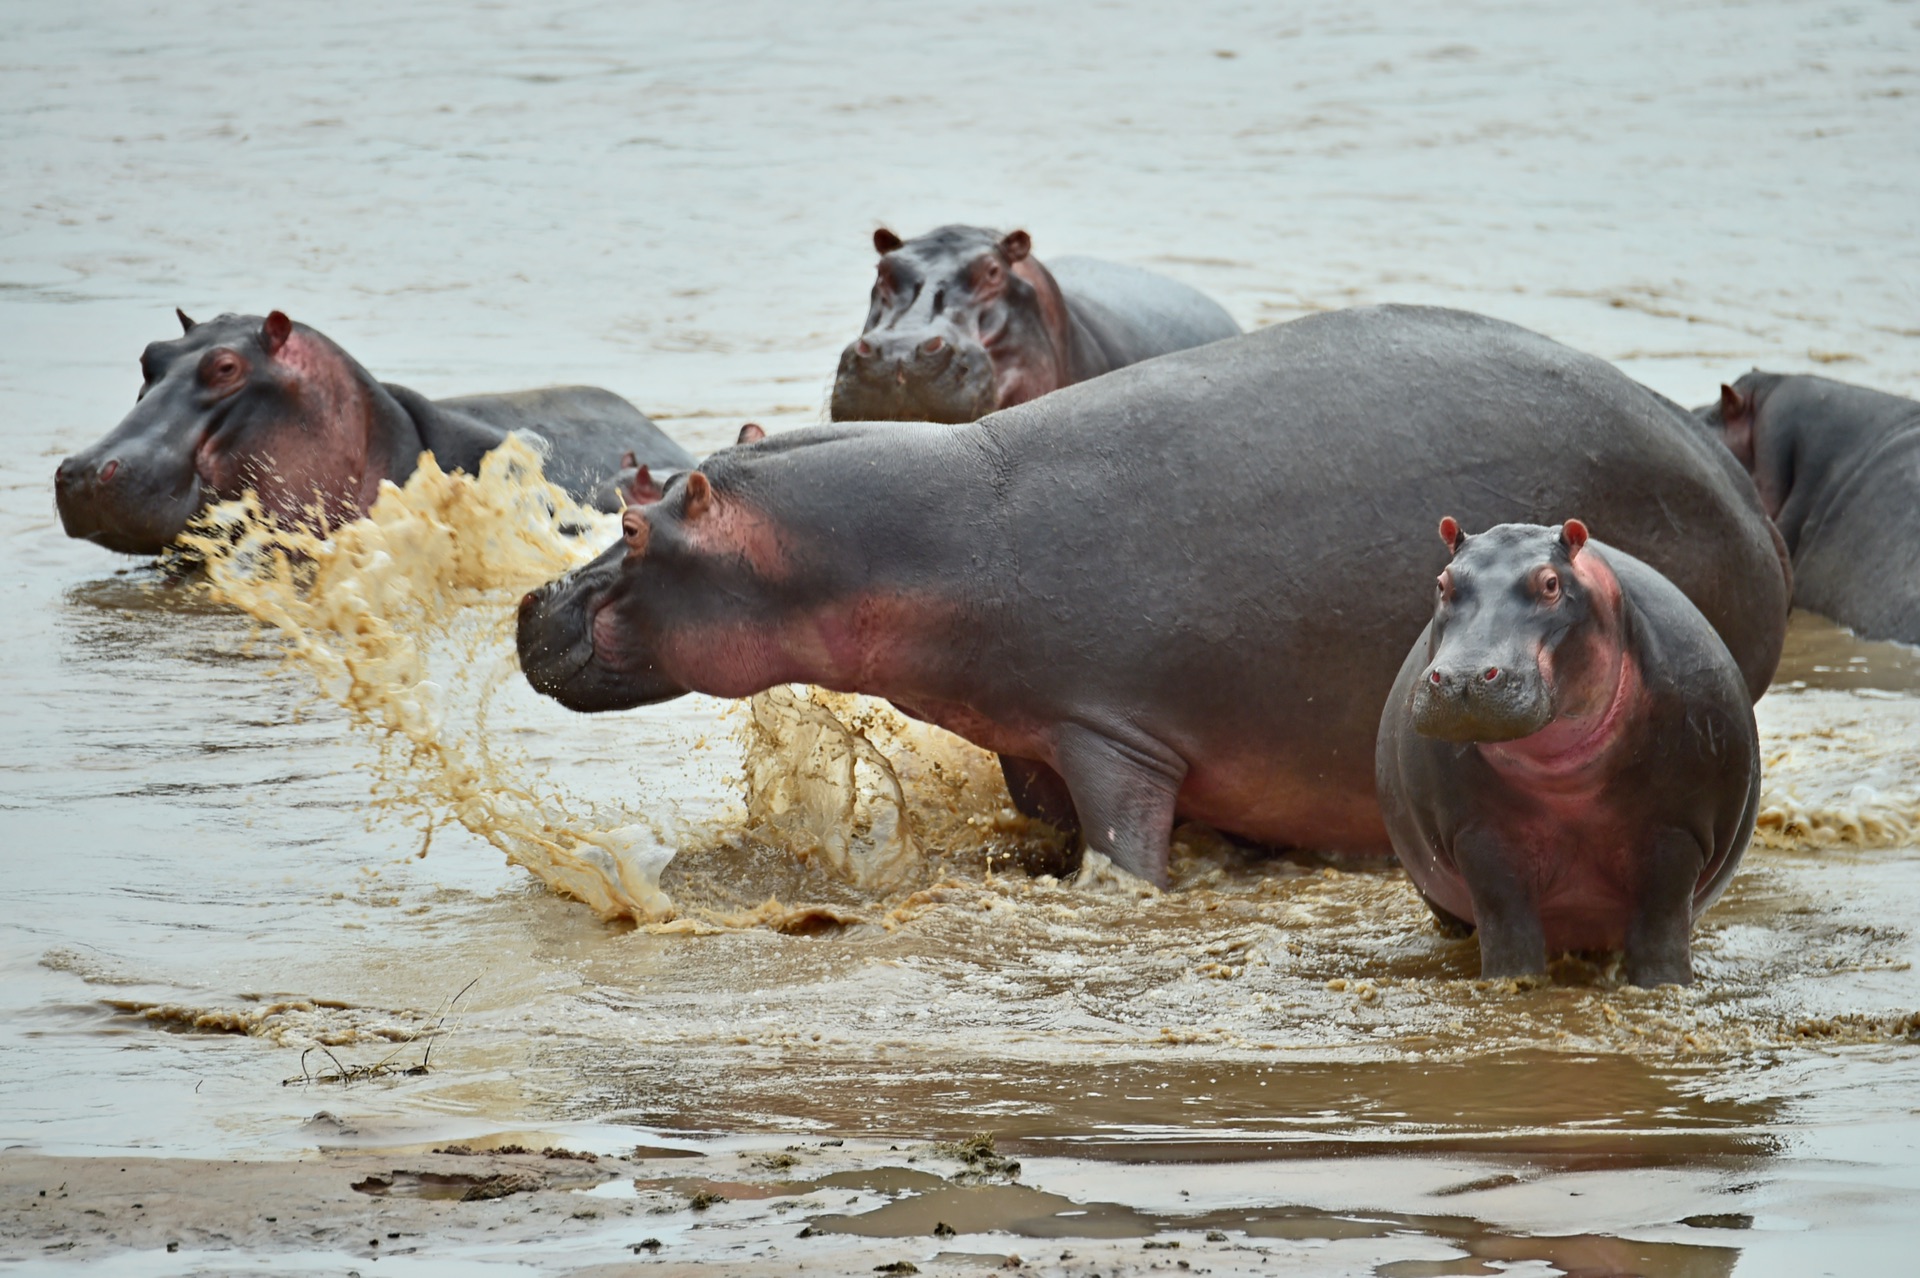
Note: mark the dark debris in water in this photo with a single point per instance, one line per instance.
(981, 1161)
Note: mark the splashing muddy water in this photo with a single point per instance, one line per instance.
(801, 921)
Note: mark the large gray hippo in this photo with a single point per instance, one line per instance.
(1838, 469)
(965, 320)
(246, 401)
(1182, 589)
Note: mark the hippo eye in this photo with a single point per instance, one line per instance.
(635, 530)
(1443, 585)
(1548, 586)
(221, 368)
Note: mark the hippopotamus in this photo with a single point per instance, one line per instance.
(964, 321)
(1182, 589)
(246, 401)
(1568, 760)
(1838, 469)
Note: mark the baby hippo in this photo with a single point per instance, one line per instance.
(1568, 759)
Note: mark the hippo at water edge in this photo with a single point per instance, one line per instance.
(1184, 588)
(245, 402)
(1838, 469)
(965, 321)
(1568, 760)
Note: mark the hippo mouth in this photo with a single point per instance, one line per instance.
(571, 649)
(873, 388)
(104, 505)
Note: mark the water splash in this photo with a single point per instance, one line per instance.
(405, 619)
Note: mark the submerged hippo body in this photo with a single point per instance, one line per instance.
(1185, 587)
(1838, 469)
(243, 402)
(1568, 760)
(964, 321)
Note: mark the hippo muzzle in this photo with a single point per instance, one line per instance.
(129, 494)
(926, 376)
(1481, 697)
(574, 648)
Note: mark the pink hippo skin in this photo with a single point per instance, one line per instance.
(1568, 760)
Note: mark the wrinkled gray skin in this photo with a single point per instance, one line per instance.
(1838, 468)
(250, 402)
(964, 321)
(1182, 588)
(1568, 759)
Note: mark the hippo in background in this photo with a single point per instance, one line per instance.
(1838, 470)
(965, 321)
(249, 402)
(1183, 589)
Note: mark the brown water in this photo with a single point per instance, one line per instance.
(211, 869)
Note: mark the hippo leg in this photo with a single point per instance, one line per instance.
(1040, 793)
(1512, 941)
(1660, 937)
(1124, 793)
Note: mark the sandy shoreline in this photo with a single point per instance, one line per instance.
(822, 1206)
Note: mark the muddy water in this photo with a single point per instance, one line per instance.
(214, 871)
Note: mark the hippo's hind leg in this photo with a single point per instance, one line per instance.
(1124, 793)
(1040, 793)
(1512, 942)
(1660, 934)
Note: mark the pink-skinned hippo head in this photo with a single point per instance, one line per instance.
(1516, 637)
(241, 402)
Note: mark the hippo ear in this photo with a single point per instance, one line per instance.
(1451, 534)
(274, 333)
(1573, 535)
(643, 491)
(699, 496)
(1736, 423)
(186, 321)
(885, 241)
(1015, 245)
(751, 433)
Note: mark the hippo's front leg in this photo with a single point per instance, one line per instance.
(1512, 941)
(1660, 935)
(1124, 793)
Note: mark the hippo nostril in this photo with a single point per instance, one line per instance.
(1493, 672)
(108, 471)
(933, 344)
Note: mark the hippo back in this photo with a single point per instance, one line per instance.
(588, 431)
(1320, 454)
(1133, 314)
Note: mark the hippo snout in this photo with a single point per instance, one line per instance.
(1480, 700)
(922, 376)
(107, 501)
